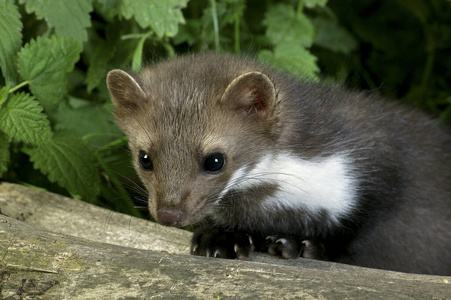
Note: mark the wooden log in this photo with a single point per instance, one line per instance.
(39, 263)
(78, 218)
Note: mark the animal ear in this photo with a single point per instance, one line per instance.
(124, 89)
(251, 93)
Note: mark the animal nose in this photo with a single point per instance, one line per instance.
(169, 217)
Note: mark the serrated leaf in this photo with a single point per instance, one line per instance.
(4, 94)
(4, 152)
(226, 12)
(93, 121)
(162, 16)
(189, 32)
(10, 39)
(66, 160)
(333, 37)
(294, 59)
(107, 8)
(285, 26)
(22, 119)
(44, 62)
(103, 52)
(69, 18)
(313, 3)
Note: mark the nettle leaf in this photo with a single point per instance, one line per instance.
(93, 121)
(22, 119)
(107, 8)
(44, 62)
(67, 160)
(4, 152)
(162, 16)
(102, 53)
(294, 59)
(285, 26)
(4, 94)
(69, 18)
(10, 39)
(189, 32)
(333, 37)
(313, 3)
(226, 12)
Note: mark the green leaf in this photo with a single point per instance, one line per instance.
(313, 3)
(189, 32)
(4, 152)
(226, 11)
(67, 160)
(23, 120)
(294, 59)
(285, 26)
(93, 121)
(4, 94)
(162, 16)
(107, 8)
(69, 18)
(10, 39)
(138, 53)
(333, 37)
(44, 62)
(103, 52)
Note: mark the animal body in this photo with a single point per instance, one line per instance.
(268, 162)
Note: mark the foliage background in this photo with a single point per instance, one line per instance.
(56, 126)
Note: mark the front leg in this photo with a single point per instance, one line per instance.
(215, 242)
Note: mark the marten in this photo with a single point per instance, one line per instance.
(266, 161)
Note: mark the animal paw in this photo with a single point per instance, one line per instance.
(221, 244)
(294, 247)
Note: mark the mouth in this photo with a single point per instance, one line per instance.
(184, 214)
(170, 217)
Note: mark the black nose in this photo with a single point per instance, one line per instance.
(169, 217)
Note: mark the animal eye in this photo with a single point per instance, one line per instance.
(214, 162)
(145, 161)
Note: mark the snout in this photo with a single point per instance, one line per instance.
(170, 217)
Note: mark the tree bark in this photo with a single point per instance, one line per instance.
(87, 252)
(81, 219)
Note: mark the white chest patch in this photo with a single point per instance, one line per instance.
(313, 186)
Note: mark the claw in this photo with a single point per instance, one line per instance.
(282, 241)
(271, 239)
(216, 254)
(195, 248)
(251, 243)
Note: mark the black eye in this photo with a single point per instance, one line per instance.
(145, 161)
(214, 162)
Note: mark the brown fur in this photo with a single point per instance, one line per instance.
(180, 111)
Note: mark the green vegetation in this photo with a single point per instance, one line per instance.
(56, 126)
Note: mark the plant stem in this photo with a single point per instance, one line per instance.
(134, 36)
(300, 7)
(169, 49)
(116, 143)
(138, 54)
(215, 23)
(18, 86)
